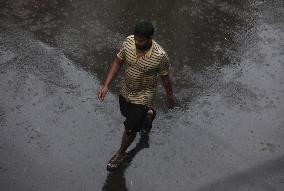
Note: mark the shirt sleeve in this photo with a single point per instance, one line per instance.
(164, 65)
(121, 53)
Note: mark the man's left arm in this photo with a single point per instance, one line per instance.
(164, 68)
(166, 82)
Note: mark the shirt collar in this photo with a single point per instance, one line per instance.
(149, 53)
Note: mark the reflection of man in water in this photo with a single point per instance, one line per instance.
(144, 61)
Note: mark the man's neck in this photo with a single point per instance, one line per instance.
(143, 51)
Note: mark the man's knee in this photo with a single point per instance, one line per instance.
(130, 132)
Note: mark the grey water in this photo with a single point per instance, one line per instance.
(226, 132)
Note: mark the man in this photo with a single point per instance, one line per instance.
(144, 61)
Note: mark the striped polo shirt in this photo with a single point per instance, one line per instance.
(141, 74)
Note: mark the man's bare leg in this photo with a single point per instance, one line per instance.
(127, 139)
(118, 158)
(147, 126)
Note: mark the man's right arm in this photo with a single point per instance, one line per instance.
(115, 67)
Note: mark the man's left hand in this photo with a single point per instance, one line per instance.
(170, 102)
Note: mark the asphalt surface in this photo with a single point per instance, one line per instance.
(226, 133)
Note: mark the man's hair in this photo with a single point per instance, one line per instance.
(144, 29)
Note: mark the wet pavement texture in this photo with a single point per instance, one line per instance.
(226, 133)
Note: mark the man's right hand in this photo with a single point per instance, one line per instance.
(102, 93)
(114, 69)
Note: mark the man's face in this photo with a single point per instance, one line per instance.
(142, 43)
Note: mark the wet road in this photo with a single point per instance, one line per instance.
(227, 65)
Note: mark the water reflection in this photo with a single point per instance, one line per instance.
(115, 180)
(196, 34)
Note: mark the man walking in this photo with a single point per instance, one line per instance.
(144, 61)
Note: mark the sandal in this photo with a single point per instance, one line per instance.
(115, 162)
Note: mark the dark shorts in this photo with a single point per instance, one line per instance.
(134, 113)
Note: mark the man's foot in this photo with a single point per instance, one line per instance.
(115, 161)
(151, 114)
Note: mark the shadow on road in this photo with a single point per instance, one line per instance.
(115, 180)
